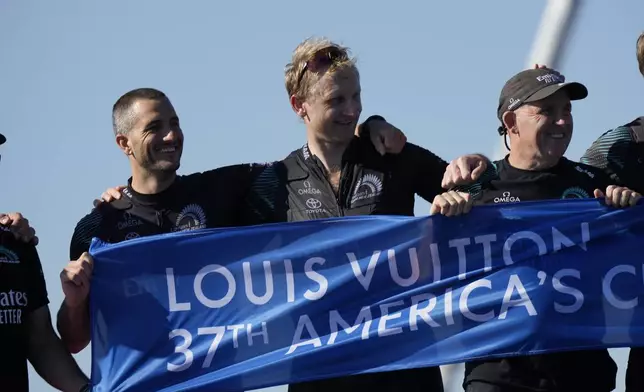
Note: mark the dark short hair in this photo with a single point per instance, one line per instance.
(123, 118)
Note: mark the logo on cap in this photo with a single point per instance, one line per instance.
(513, 103)
(551, 78)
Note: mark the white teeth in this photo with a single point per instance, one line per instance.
(557, 135)
(168, 149)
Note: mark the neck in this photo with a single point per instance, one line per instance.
(530, 163)
(150, 183)
(329, 153)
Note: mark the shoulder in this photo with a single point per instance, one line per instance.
(91, 222)
(96, 224)
(587, 172)
(271, 176)
(226, 175)
(621, 134)
(607, 146)
(15, 251)
(89, 226)
(223, 171)
(102, 213)
(626, 132)
(9, 245)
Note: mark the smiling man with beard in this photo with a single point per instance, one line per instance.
(155, 201)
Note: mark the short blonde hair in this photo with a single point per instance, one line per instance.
(640, 53)
(300, 79)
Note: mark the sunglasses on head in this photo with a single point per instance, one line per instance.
(321, 59)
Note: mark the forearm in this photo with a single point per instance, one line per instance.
(74, 326)
(55, 364)
(426, 169)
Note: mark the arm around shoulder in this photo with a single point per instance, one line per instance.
(424, 169)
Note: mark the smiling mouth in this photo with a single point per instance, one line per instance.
(345, 123)
(557, 135)
(168, 150)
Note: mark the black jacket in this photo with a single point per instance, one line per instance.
(210, 199)
(589, 370)
(22, 291)
(297, 189)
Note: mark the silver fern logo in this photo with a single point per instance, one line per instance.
(575, 193)
(368, 186)
(8, 256)
(192, 217)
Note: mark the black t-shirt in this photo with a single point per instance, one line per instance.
(297, 189)
(589, 370)
(22, 290)
(620, 152)
(201, 200)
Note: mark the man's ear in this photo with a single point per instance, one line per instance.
(510, 121)
(298, 106)
(123, 142)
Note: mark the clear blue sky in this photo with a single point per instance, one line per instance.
(433, 68)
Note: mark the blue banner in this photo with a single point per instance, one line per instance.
(244, 308)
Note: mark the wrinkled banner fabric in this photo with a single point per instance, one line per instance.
(243, 308)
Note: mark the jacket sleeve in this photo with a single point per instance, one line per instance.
(617, 153)
(86, 229)
(37, 287)
(475, 189)
(424, 171)
(251, 185)
(267, 189)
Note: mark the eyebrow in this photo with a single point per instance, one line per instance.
(336, 93)
(152, 123)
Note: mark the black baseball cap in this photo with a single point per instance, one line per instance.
(534, 85)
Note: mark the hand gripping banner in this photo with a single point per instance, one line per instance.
(244, 308)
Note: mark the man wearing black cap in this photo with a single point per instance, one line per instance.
(535, 114)
(25, 322)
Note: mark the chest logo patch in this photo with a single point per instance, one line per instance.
(308, 189)
(7, 256)
(129, 221)
(132, 235)
(192, 217)
(507, 197)
(368, 186)
(575, 193)
(313, 203)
